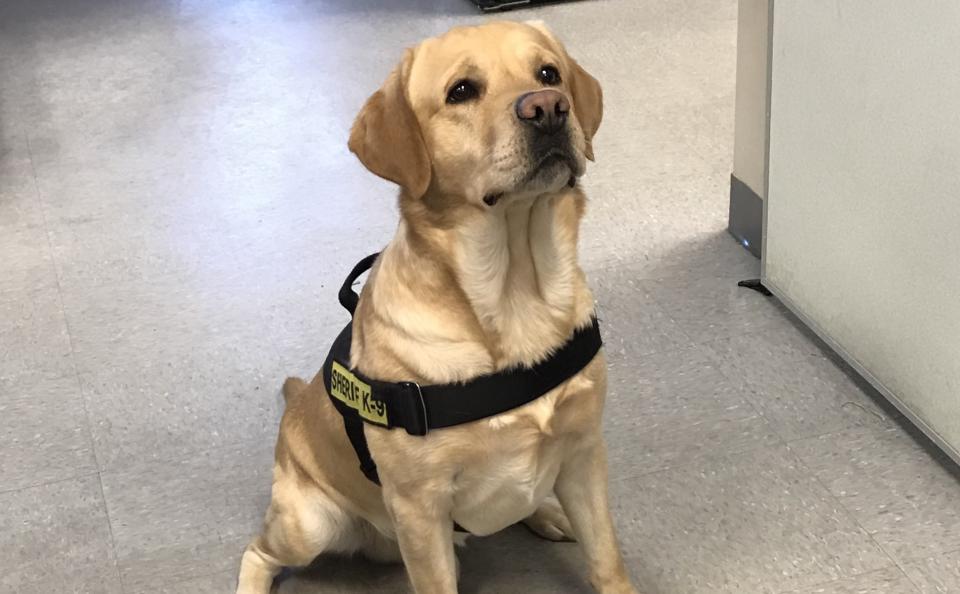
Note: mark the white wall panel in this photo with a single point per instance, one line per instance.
(863, 209)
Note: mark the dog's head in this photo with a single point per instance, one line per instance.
(480, 113)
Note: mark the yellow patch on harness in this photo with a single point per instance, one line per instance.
(348, 389)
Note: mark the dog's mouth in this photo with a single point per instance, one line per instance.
(546, 168)
(551, 164)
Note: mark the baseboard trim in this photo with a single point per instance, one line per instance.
(746, 216)
(934, 441)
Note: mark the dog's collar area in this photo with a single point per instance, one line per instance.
(419, 409)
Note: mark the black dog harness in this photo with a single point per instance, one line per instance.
(421, 409)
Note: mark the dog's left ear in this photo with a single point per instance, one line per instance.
(587, 94)
(386, 136)
(587, 103)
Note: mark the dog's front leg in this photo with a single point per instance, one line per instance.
(425, 533)
(582, 490)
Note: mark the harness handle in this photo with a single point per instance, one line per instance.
(347, 296)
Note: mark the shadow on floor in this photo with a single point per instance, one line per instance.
(511, 561)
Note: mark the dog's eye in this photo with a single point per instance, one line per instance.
(462, 90)
(549, 75)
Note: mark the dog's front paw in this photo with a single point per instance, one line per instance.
(550, 522)
(617, 582)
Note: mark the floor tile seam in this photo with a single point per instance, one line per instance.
(894, 560)
(685, 343)
(687, 339)
(898, 561)
(178, 581)
(592, 271)
(133, 470)
(679, 348)
(43, 374)
(726, 455)
(63, 312)
(886, 428)
(952, 552)
(209, 229)
(180, 277)
(803, 586)
(864, 574)
(902, 565)
(742, 387)
(680, 325)
(748, 385)
(56, 481)
(76, 372)
(185, 275)
(727, 168)
(12, 290)
(798, 438)
(910, 560)
(747, 401)
(113, 539)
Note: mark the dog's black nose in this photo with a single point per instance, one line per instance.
(545, 110)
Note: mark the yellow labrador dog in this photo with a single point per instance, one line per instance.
(486, 130)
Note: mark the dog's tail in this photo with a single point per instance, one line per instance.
(292, 387)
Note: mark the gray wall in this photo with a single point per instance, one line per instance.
(863, 204)
(750, 132)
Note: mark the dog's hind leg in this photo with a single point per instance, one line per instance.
(293, 386)
(300, 524)
(550, 522)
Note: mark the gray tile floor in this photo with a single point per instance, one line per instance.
(177, 206)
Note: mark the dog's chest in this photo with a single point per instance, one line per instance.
(517, 471)
(503, 494)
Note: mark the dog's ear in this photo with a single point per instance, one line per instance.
(386, 136)
(586, 91)
(587, 103)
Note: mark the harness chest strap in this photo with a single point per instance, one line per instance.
(421, 409)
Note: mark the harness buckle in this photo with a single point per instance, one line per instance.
(415, 409)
